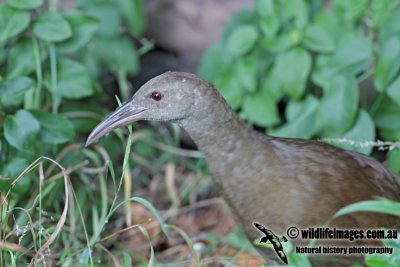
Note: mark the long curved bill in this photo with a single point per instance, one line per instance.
(124, 115)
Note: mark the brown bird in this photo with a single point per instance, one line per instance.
(278, 182)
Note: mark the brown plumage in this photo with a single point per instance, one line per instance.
(278, 182)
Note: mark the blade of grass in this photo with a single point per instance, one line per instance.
(41, 178)
(115, 261)
(148, 205)
(39, 74)
(146, 234)
(111, 169)
(187, 240)
(123, 84)
(13, 259)
(381, 205)
(83, 225)
(127, 194)
(62, 219)
(126, 171)
(96, 236)
(30, 223)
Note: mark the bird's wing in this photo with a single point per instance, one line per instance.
(384, 177)
(303, 153)
(279, 250)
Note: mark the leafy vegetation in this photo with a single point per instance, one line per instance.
(53, 59)
(330, 67)
(317, 69)
(51, 66)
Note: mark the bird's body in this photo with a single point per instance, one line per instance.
(278, 182)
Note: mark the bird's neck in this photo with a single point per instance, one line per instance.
(231, 148)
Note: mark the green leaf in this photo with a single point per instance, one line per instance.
(237, 239)
(12, 22)
(304, 124)
(292, 69)
(394, 90)
(382, 260)
(277, 44)
(261, 109)
(246, 69)
(295, 109)
(84, 124)
(21, 130)
(299, 260)
(21, 60)
(362, 130)
(387, 115)
(390, 134)
(393, 160)
(230, 89)
(351, 57)
(318, 39)
(294, 12)
(25, 4)
(144, 149)
(118, 53)
(350, 9)
(380, 11)
(107, 14)
(54, 128)
(3, 54)
(73, 80)
(388, 63)
(52, 27)
(133, 15)
(127, 259)
(391, 27)
(213, 61)
(242, 39)
(269, 25)
(271, 84)
(12, 168)
(332, 24)
(265, 8)
(241, 18)
(93, 66)
(84, 27)
(339, 105)
(380, 205)
(12, 91)
(352, 54)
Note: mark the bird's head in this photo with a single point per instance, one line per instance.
(167, 97)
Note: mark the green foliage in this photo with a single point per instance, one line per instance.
(381, 205)
(331, 69)
(21, 130)
(12, 22)
(50, 93)
(53, 50)
(52, 27)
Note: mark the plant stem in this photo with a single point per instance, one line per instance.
(376, 104)
(53, 5)
(39, 74)
(123, 84)
(53, 75)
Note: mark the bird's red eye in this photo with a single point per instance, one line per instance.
(156, 96)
